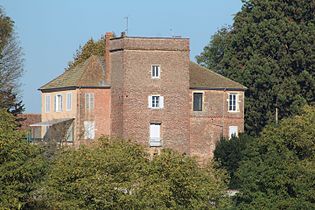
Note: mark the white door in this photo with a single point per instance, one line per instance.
(233, 130)
(155, 134)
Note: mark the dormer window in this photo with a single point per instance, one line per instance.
(155, 71)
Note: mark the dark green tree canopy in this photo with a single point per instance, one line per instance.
(277, 171)
(270, 49)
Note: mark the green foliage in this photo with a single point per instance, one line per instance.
(278, 171)
(21, 165)
(90, 48)
(213, 53)
(229, 153)
(115, 174)
(270, 49)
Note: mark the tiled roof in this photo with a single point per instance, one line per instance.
(90, 73)
(202, 78)
(26, 119)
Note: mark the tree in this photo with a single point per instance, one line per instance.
(11, 66)
(116, 174)
(21, 165)
(270, 49)
(91, 47)
(278, 170)
(229, 153)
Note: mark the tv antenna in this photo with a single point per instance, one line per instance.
(127, 27)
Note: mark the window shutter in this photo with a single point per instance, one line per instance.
(60, 103)
(150, 101)
(86, 101)
(237, 102)
(55, 103)
(161, 101)
(92, 101)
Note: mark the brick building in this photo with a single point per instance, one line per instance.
(147, 90)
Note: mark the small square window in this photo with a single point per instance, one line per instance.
(156, 102)
(197, 103)
(155, 71)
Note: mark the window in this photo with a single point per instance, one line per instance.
(58, 103)
(233, 131)
(69, 101)
(155, 71)
(89, 101)
(155, 135)
(47, 103)
(156, 101)
(89, 129)
(197, 103)
(233, 102)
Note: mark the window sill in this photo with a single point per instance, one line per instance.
(155, 144)
(233, 111)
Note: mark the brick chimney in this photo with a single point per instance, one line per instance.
(108, 36)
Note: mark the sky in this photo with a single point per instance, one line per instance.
(50, 32)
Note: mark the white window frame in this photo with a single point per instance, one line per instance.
(68, 101)
(89, 129)
(231, 129)
(89, 101)
(58, 103)
(236, 105)
(203, 100)
(160, 102)
(47, 103)
(155, 70)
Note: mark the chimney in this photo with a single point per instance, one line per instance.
(108, 70)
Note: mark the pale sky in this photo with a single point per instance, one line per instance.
(50, 32)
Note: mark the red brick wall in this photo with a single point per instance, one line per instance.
(208, 125)
(135, 70)
(117, 84)
(100, 114)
